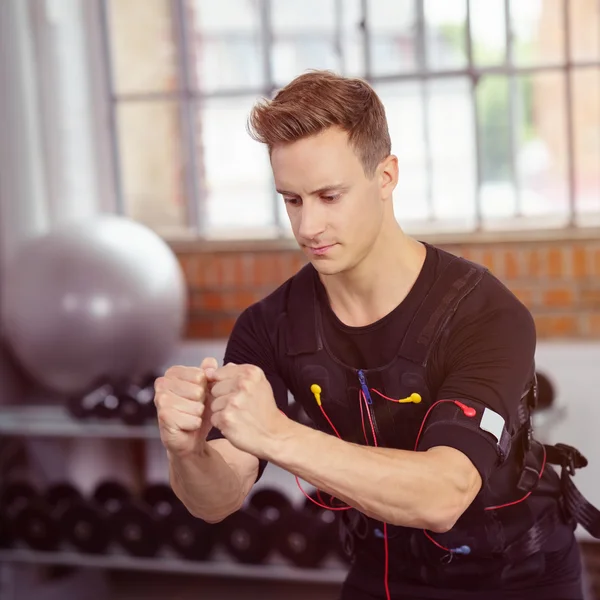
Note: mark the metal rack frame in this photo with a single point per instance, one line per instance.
(55, 422)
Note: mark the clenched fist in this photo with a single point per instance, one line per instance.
(244, 409)
(183, 401)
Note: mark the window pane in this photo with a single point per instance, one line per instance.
(404, 110)
(351, 38)
(453, 154)
(226, 45)
(238, 179)
(144, 53)
(392, 36)
(538, 31)
(303, 38)
(585, 29)
(292, 57)
(291, 16)
(445, 33)
(542, 144)
(586, 122)
(152, 165)
(497, 189)
(488, 32)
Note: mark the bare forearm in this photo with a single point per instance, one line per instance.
(208, 487)
(399, 487)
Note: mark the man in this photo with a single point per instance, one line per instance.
(416, 367)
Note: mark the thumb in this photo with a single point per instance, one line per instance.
(209, 363)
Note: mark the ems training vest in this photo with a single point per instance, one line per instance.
(491, 546)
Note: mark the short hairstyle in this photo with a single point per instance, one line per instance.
(318, 100)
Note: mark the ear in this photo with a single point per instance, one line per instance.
(388, 175)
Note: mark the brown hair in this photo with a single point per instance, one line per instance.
(318, 100)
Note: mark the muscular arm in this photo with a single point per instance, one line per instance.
(427, 490)
(214, 482)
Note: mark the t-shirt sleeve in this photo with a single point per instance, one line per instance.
(488, 358)
(249, 343)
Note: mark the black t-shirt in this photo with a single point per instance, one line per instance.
(487, 356)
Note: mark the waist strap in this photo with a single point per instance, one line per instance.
(574, 503)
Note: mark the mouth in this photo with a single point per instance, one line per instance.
(319, 250)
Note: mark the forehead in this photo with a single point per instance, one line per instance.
(315, 160)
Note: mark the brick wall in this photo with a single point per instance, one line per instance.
(559, 281)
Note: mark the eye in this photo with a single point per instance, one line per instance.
(331, 198)
(292, 201)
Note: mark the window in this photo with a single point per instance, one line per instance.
(493, 107)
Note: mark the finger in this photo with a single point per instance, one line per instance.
(181, 387)
(220, 404)
(191, 374)
(209, 363)
(223, 387)
(229, 370)
(169, 401)
(174, 420)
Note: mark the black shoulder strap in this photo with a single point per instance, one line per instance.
(458, 279)
(301, 323)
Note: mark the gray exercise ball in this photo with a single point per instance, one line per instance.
(103, 299)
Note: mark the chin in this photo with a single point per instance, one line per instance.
(327, 267)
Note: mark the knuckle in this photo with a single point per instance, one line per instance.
(251, 371)
(244, 384)
(172, 371)
(161, 399)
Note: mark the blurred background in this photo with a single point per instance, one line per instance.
(138, 219)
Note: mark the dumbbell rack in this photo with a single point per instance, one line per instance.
(55, 422)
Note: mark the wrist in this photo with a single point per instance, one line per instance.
(278, 444)
(198, 451)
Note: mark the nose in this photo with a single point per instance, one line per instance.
(311, 221)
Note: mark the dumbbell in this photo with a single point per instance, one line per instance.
(132, 524)
(136, 402)
(249, 534)
(14, 497)
(190, 537)
(38, 523)
(305, 537)
(99, 401)
(85, 523)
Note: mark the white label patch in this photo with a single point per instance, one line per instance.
(491, 421)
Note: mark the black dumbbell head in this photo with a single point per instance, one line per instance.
(243, 536)
(35, 526)
(135, 530)
(191, 538)
(111, 495)
(86, 527)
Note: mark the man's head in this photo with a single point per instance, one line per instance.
(330, 152)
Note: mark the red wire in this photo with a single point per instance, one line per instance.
(370, 419)
(384, 396)
(362, 416)
(329, 421)
(363, 399)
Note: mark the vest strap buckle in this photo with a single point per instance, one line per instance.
(566, 456)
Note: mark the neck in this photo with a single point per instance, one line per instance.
(380, 282)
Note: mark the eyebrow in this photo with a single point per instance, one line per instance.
(328, 188)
